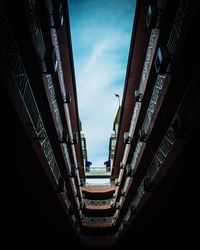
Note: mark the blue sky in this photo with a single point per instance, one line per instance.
(101, 33)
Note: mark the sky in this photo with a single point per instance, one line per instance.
(100, 33)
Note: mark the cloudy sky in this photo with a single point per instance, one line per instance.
(101, 32)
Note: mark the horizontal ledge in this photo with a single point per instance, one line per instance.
(97, 225)
(97, 176)
(98, 189)
(98, 207)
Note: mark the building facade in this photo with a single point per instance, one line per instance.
(156, 125)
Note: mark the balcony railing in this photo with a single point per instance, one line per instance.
(11, 56)
(98, 202)
(97, 172)
(97, 220)
(189, 103)
(177, 27)
(92, 240)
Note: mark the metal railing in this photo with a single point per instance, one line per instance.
(12, 58)
(189, 102)
(177, 28)
(149, 59)
(92, 240)
(97, 171)
(97, 220)
(98, 202)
